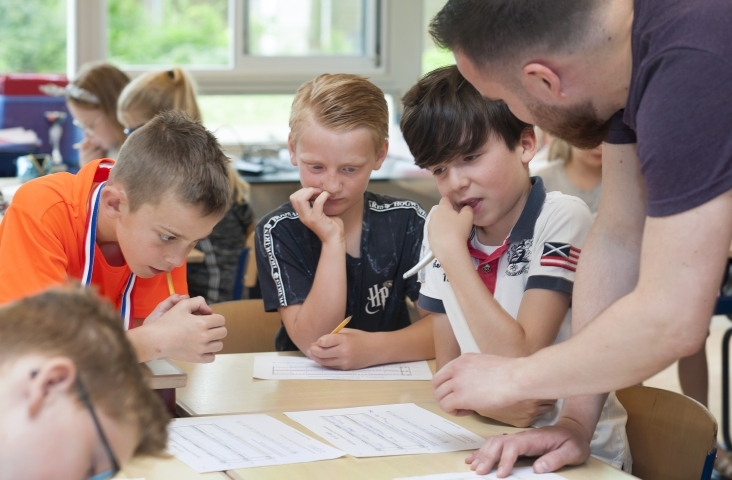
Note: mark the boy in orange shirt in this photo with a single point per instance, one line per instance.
(121, 229)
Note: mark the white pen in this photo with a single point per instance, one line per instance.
(420, 265)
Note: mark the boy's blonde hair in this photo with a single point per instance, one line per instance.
(341, 102)
(172, 153)
(559, 150)
(106, 82)
(76, 324)
(155, 92)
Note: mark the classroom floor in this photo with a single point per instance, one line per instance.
(669, 380)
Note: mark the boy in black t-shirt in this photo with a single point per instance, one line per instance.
(336, 250)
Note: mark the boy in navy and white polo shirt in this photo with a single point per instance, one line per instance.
(505, 250)
(336, 250)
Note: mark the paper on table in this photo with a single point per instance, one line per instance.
(212, 444)
(300, 368)
(384, 430)
(519, 473)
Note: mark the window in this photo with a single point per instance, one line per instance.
(33, 36)
(306, 27)
(168, 32)
(432, 56)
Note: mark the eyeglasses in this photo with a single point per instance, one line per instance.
(88, 129)
(115, 468)
(128, 131)
(107, 448)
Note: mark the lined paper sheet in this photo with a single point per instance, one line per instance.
(213, 444)
(300, 368)
(519, 473)
(384, 430)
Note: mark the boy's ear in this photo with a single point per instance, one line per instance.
(527, 145)
(542, 82)
(114, 200)
(381, 155)
(291, 148)
(54, 380)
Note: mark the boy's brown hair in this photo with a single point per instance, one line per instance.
(445, 116)
(341, 102)
(76, 324)
(172, 153)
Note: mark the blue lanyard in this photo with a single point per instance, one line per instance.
(89, 250)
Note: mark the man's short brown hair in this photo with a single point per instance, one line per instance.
(445, 116)
(173, 153)
(341, 102)
(77, 324)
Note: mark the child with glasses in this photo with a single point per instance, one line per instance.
(141, 100)
(73, 401)
(92, 100)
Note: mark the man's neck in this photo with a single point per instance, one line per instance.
(612, 59)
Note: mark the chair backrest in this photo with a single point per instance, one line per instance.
(250, 328)
(671, 436)
(250, 276)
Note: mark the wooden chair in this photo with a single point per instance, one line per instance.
(671, 436)
(250, 328)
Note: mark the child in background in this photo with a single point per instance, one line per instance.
(505, 250)
(73, 401)
(336, 250)
(155, 92)
(92, 101)
(578, 174)
(122, 230)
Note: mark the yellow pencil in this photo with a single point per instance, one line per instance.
(343, 324)
(171, 289)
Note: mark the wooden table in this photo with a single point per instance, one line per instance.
(151, 468)
(226, 386)
(196, 256)
(387, 468)
(164, 377)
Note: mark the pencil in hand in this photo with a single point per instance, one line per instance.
(171, 288)
(340, 327)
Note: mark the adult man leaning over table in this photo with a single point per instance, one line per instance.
(653, 80)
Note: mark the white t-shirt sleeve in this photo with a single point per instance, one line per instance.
(559, 236)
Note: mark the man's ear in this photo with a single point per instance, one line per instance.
(291, 148)
(381, 155)
(527, 145)
(113, 201)
(54, 380)
(541, 82)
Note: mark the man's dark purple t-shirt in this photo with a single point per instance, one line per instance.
(679, 104)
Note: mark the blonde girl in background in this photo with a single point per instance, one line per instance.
(92, 100)
(145, 97)
(579, 173)
(73, 400)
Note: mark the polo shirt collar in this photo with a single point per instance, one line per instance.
(524, 228)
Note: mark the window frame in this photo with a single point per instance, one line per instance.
(392, 60)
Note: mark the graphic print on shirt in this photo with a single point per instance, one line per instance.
(519, 257)
(562, 255)
(377, 296)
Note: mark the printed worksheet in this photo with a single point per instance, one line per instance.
(213, 444)
(301, 368)
(518, 473)
(385, 430)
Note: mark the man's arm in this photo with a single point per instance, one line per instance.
(665, 317)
